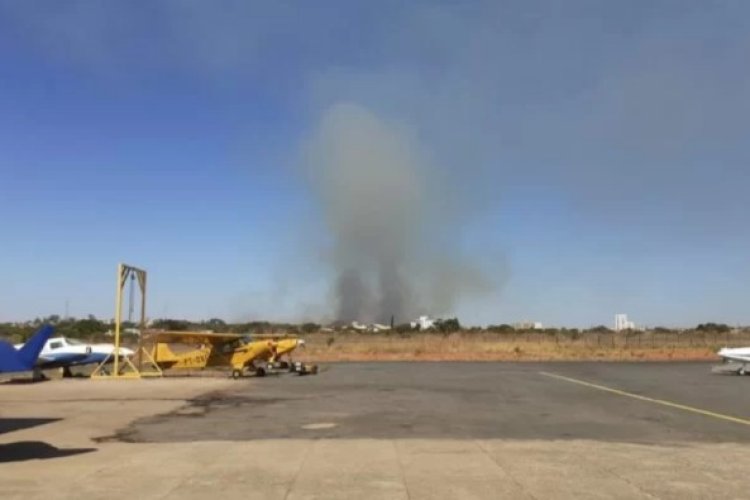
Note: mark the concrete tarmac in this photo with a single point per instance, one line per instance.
(465, 401)
(385, 430)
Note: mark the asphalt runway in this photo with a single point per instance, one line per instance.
(644, 403)
(406, 431)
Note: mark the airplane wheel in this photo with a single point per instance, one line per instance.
(260, 372)
(742, 371)
(236, 374)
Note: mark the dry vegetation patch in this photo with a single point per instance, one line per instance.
(468, 346)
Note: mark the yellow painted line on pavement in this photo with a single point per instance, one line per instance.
(662, 402)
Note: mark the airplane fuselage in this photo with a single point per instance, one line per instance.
(60, 352)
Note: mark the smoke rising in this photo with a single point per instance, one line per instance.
(378, 199)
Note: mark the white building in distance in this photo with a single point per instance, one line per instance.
(528, 325)
(623, 323)
(423, 322)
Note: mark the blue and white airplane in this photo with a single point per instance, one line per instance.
(62, 352)
(24, 359)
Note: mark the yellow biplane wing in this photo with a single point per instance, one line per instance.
(273, 336)
(193, 337)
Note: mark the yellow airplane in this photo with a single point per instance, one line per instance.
(283, 346)
(238, 352)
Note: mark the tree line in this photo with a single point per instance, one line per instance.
(91, 327)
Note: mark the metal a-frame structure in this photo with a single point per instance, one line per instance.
(124, 368)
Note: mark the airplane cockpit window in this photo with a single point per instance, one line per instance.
(56, 345)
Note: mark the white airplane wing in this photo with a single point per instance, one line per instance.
(740, 359)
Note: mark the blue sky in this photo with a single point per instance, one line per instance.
(593, 156)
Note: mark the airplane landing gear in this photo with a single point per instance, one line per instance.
(37, 375)
(66, 373)
(305, 368)
(236, 374)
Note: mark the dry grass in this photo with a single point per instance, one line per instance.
(481, 347)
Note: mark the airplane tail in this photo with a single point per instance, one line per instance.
(29, 353)
(162, 352)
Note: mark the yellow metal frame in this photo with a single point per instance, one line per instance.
(125, 271)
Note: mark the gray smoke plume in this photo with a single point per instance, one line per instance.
(378, 199)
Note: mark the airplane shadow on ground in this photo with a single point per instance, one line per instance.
(31, 450)
(23, 380)
(35, 450)
(17, 424)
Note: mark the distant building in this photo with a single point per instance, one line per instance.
(528, 325)
(623, 323)
(358, 326)
(423, 322)
(374, 327)
(125, 331)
